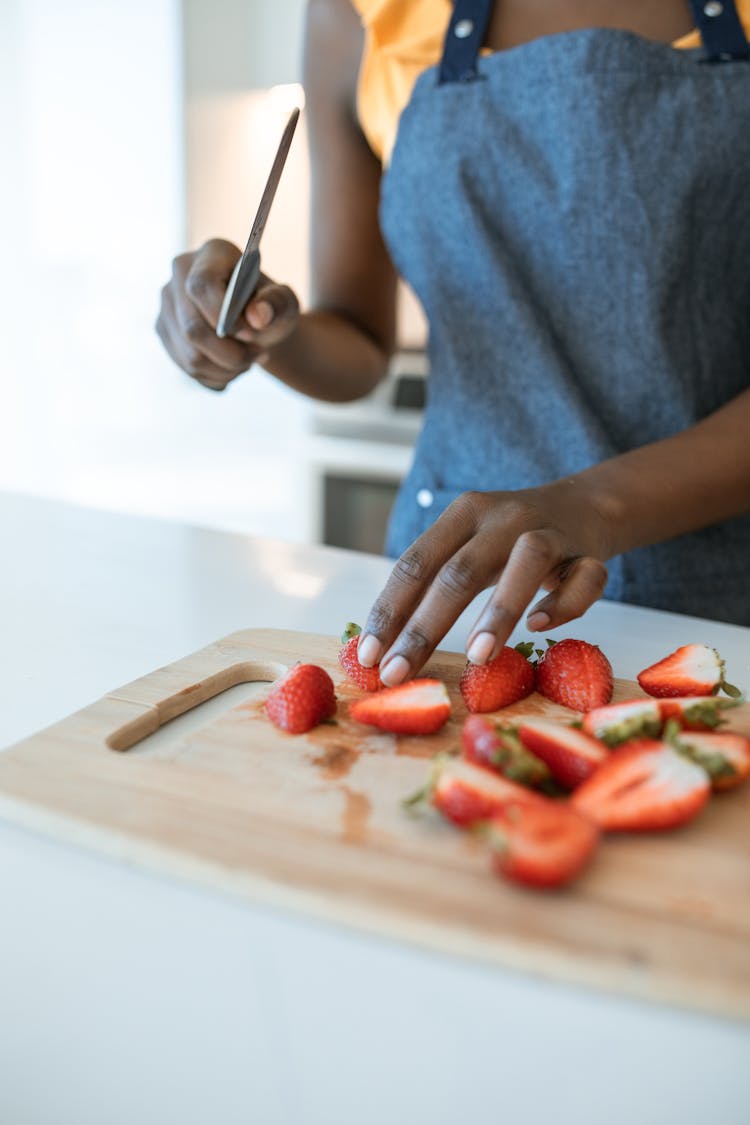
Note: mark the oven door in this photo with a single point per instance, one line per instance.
(360, 453)
(355, 511)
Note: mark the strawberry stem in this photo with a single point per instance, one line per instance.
(716, 765)
(351, 629)
(421, 796)
(732, 691)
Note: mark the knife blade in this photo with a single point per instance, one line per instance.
(244, 279)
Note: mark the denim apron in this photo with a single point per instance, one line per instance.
(574, 215)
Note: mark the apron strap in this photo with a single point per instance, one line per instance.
(721, 30)
(464, 39)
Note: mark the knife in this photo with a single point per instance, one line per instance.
(244, 279)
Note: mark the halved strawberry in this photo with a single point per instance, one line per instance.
(616, 723)
(416, 707)
(366, 678)
(571, 754)
(541, 845)
(500, 749)
(502, 681)
(575, 674)
(465, 793)
(691, 670)
(644, 786)
(725, 756)
(695, 712)
(302, 698)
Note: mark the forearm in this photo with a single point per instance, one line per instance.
(680, 484)
(328, 357)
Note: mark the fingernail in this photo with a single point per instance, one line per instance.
(536, 621)
(259, 314)
(395, 671)
(481, 648)
(369, 650)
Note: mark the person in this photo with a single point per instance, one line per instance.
(566, 186)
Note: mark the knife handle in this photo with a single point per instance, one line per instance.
(242, 285)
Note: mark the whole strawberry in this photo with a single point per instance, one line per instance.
(575, 674)
(366, 678)
(301, 699)
(502, 681)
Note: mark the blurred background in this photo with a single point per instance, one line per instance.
(131, 132)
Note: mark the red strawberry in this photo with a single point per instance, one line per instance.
(724, 756)
(301, 699)
(416, 707)
(575, 674)
(690, 670)
(500, 749)
(618, 722)
(695, 712)
(464, 793)
(366, 678)
(643, 786)
(504, 680)
(571, 754)
(540, 845)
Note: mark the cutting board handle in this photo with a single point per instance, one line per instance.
(163, 708)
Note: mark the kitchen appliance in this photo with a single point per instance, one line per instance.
(315, 823)
(359, 453)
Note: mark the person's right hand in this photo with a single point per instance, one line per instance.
(190, 306)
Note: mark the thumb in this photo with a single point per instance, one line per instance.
(270, 315)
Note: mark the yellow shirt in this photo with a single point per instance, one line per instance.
(404, 38)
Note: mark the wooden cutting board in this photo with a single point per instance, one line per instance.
(315, 823)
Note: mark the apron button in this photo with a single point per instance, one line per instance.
(464, 28)
(713, 9)
(425, 499)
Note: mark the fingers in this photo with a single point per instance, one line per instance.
(582, 584)
(533, 556)
(533, 562)
(270, 315)
(205, 276)
(181, 350)
(479, 537)
(190, 307)
(428, 588)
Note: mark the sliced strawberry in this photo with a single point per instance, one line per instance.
(502, 681)
(575, 674)
(416, 707)
(541, 845)
(571, 754)
(645, 785)
(695, 712)
(618, 722)
(500, 749)
(465, 793)
(725, 756)
(366, 678)
(691, 670)
(302, 698)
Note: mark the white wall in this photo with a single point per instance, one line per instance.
(94, 99)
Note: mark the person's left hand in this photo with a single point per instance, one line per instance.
(552, 537)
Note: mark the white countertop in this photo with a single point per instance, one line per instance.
(125, 997)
